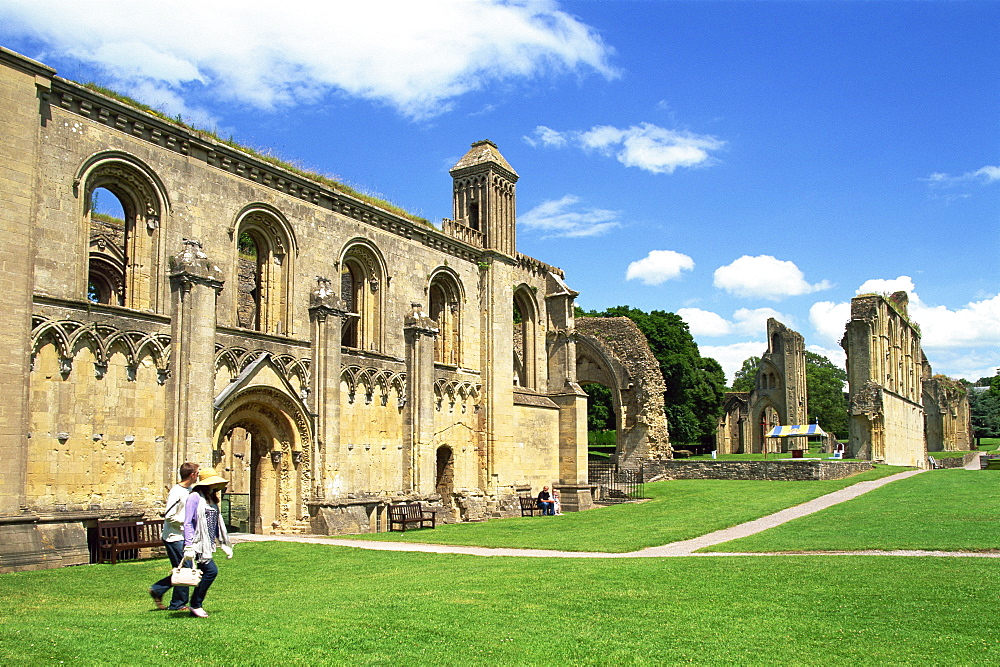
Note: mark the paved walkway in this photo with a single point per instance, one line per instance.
(684, 548)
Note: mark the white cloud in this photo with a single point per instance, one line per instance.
(557, 218)
(835, 354)
(646, 146)
(755, 321)
(983, 175)
(766, 277)
(830, 319)
(745, 321)
(414, 56)
(731, 357)
(704, 322)
(659, 266)
(886, 286)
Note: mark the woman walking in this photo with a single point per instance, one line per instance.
(204, 531)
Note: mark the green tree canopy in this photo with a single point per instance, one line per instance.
(825, 384)
(695, 384)
(985, 408)
(744, 378)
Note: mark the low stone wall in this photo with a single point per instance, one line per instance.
(793, 470)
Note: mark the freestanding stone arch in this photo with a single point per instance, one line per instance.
(613, 352)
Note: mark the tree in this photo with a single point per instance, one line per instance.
(744, 378)
(825, 384)
(695, 384)
(985, 408)
(600, 410)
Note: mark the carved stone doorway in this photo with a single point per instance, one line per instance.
(445, 476)
(260, 449)
(246, 460)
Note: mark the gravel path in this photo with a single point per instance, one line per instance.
(684, 548)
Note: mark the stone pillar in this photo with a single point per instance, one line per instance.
(574, 490)
(24, 91)
(195, 283)
(326, 316)
(419, 331)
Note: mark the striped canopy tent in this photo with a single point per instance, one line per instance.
(797, 430)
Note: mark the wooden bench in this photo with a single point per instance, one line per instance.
(116, 537)
(413, 513)
(529, 505)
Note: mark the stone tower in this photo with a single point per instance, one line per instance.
(484, 196)
(779, 396)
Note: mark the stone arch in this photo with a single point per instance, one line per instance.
(363, 275)
(264, 255)
(262, 440)
(525, 311)
(124, 257)
(764, 416)
(445, 297)
(612, 351)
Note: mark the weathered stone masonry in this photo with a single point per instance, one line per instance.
(329, 355)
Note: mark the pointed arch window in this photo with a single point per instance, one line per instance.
(445, 309)
(263, 268)
(122, 206)
(361, 279)
(524, 320)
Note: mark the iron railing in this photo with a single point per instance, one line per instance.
(613, 484)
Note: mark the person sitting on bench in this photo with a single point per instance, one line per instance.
(545, 502)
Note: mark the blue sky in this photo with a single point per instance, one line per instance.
(728, 161)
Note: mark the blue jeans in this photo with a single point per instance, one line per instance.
(175, 552)
(209, 571)
(548, 507)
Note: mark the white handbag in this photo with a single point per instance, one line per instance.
(185, 576)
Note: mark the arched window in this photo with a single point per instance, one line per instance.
(264, 256)
(444, 298)
(122, 206)
(108, 232)
(361, 279)
(524, 339)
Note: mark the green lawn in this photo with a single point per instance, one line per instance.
(278, 603)
(679, 510)
(952, 509)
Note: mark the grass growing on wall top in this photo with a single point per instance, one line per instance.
(264, 156)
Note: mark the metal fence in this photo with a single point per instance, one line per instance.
(613, 484)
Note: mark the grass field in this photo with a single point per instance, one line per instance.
(678, 510)
(951, 510)
(304, 604)
(277, 603)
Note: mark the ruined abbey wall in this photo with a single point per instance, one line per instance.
(884, 371)
(329, 355)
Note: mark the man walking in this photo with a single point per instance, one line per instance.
(173, 538)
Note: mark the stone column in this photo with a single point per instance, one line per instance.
(24, 92)
(419, 331)
(195, 283)
(326, 316)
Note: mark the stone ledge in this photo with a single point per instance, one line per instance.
(789, 470)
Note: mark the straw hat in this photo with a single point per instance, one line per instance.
(208, 477)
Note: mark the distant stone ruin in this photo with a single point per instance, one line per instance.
(947, 417)
(885, 370)
(779, 396)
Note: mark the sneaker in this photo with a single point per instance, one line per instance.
(157, 599)
(199, 612)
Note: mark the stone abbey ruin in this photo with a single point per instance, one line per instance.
(330, 354)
